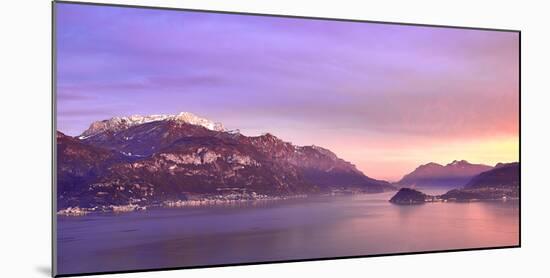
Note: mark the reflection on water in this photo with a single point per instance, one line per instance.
(283, 230)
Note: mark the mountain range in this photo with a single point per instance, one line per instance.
(151, 159)
(501, 182)
(453, 175)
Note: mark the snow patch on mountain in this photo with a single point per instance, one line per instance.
(121, 123)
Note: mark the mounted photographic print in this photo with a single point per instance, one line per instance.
(188, 138)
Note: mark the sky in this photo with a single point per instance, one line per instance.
(385, 97)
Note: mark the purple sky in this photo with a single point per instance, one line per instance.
(385, 97)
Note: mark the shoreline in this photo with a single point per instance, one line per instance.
(198, 202)
(204, 200)
(211, 202)
(408, 196)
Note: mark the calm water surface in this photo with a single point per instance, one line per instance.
(283, 230)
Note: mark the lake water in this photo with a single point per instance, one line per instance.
(278, 230)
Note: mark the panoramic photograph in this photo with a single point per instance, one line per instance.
(187, 138)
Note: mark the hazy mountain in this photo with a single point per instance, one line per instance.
(502, 181)
(454, 174)
(503, 175)
(318, 165)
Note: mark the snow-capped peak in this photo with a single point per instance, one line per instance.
(120, 123)
(193, 119)
(458, 163)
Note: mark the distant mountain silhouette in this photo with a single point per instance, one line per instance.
(501, 182)
(455, 174)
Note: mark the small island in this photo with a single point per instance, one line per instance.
(408, 196)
